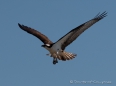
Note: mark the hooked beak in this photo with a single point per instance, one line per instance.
(43, 45)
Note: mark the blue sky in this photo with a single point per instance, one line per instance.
(23, 62)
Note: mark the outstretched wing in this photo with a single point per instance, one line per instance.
(36, 33)
(74, 33)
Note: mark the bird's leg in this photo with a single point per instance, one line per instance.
(55, 61)
(49, 54)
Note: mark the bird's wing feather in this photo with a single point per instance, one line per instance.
(36, 33)
(74, 33)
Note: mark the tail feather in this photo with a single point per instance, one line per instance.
(59, 57)
(64, 56)
(68, 56)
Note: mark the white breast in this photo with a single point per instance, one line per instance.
(54, 48)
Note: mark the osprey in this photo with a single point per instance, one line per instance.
(56, 50)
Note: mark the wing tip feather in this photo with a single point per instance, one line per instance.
(101, 16)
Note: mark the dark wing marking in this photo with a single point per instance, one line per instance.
(74, 33)
(36, 33)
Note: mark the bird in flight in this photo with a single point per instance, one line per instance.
(57, 49)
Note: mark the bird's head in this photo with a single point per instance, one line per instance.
(46, 45)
